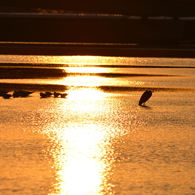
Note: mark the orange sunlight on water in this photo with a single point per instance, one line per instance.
(79, 165)
(82, 148)
(69, 60)
(98, 140)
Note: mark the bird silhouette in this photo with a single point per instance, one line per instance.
(21, 93)
(43, 95)
(7, 96)
(145, 97)
(48, 93)
(56, 94)
(63, 95)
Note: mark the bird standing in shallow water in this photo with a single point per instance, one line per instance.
(56, 94)
(145, 96)
(7, 96)
(63, 95)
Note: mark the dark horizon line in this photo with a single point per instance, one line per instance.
(173, 51)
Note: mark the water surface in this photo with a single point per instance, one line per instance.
(98, 140)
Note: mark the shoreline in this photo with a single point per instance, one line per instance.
(98, 50)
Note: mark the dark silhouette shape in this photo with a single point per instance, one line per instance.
(3, 93)
(25, 93)
(45, 95)
(6, 96)
(48, 93)
(145, 96)
(56, 94)
(63, 95)
(16, 94)
(21, 93)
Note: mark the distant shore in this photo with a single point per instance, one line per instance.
(98, 50)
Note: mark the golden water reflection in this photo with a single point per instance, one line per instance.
(81, 169)
(82, 149)
(85, 94)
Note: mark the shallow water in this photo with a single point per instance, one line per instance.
(101, 142)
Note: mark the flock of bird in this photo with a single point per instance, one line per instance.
(16, 94)
(55, 94)
(145, 96)
(7, 95)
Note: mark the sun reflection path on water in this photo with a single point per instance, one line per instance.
(82, 150)
(82, 134)
(80, 168)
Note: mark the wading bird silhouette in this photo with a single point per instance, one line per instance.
(145, 97)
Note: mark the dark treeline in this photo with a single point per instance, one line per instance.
(174, 8)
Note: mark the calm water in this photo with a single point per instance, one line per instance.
(98, 141)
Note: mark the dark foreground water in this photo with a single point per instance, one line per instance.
(97, 140)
